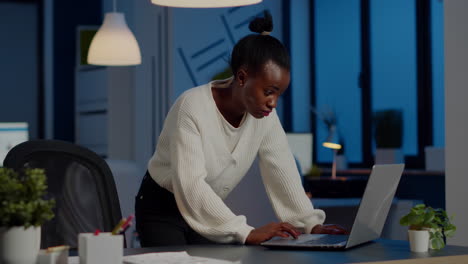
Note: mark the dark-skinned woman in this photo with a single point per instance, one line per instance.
(211, 137)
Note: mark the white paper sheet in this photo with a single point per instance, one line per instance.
(172, 258)
(164, 258)
(74, 260)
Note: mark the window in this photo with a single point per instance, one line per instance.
(337, 70)
(370, 55)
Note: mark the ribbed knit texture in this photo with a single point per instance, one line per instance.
(194, 161)
(231, 134)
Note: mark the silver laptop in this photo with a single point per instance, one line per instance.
(370, 218)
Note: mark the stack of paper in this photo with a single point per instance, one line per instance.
(172, 258)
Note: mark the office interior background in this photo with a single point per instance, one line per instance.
(352, 56)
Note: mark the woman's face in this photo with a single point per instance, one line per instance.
(260, 92)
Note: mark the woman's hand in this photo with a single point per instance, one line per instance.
(269, 231)
(329, 229)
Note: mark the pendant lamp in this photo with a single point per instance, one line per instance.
(204, 3)
(114, 44)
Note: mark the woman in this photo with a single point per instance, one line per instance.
(210, 138)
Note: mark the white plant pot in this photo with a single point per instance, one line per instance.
(419, 240)
(388, 156)
(19, 245)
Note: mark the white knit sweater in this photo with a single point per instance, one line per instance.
(193, 161)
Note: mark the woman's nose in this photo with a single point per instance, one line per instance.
(272, 103)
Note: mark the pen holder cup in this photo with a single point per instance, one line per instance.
(103, 248)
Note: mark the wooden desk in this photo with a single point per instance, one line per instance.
(380, 250)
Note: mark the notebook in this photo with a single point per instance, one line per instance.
(370, 218)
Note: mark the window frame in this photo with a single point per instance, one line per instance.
(423, 86)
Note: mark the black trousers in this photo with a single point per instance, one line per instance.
(158, 220)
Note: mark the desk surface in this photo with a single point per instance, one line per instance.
(380, 250)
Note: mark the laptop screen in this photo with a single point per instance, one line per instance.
(375, 203)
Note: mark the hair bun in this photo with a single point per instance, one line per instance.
(262, 24)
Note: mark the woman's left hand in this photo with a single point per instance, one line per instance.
(329, 229)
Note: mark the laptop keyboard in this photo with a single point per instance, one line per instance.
(327, 240)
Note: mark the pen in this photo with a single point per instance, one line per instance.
(116, 229)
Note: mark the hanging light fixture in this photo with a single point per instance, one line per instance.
(204, 3)
(114, 44)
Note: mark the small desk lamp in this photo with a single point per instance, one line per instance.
(332, 142)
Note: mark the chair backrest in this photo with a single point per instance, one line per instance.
(81, 183)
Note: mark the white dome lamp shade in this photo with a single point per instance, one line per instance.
(204, 3)
(114, 44)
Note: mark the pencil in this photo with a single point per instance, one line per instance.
(116, 229)
(57, 248)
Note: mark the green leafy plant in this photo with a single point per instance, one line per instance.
(436, 221)
(22, 200)
(388, 128)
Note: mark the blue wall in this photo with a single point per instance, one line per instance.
(18, 65)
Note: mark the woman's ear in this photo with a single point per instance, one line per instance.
(241, 76)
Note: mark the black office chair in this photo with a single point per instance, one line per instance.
(81, 183)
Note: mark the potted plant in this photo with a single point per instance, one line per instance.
(388, 132)
(23, 210)
(427, 227)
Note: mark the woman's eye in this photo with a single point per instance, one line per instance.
(268, 92)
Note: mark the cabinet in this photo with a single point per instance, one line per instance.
(91, 109)
(104, 110)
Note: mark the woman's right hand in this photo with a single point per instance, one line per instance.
(269, 231)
